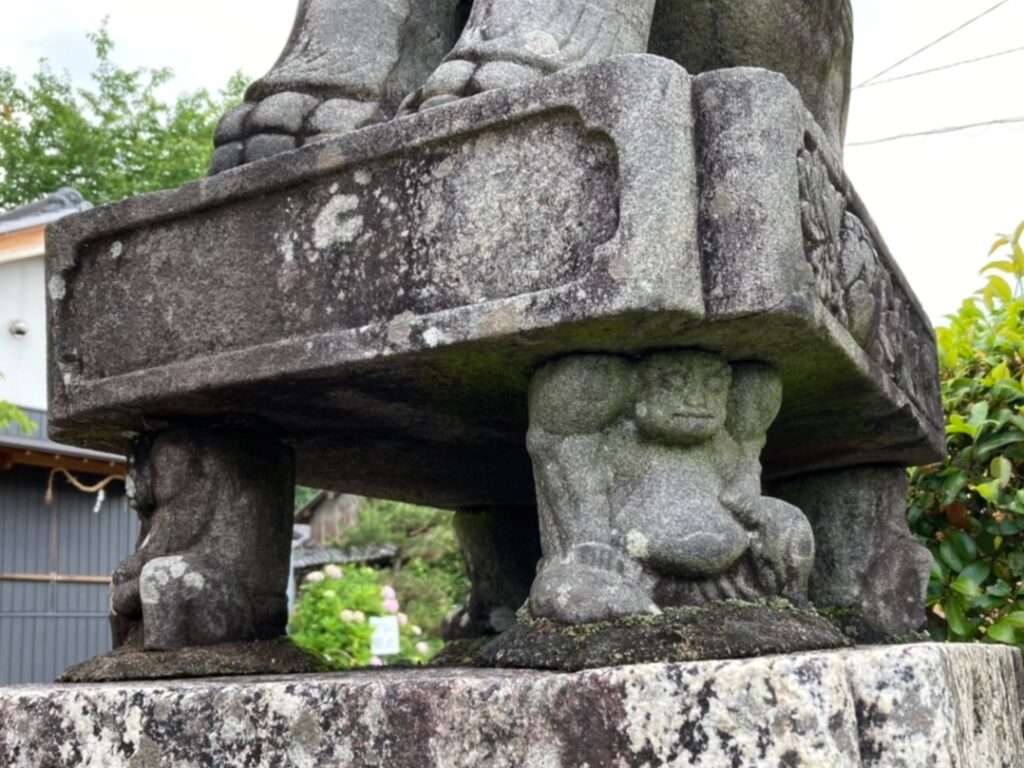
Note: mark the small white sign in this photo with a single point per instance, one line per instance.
(385, 641)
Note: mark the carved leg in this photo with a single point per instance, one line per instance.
(501, 549)
(869, 569)
(347, 64)
(586, 574)
(212, 566)
(507, 42)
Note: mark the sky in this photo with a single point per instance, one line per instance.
(939, 200)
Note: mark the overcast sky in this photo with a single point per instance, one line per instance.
(939, 200)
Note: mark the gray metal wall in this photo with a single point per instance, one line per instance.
(46, 627)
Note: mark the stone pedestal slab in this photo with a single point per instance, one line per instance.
(381, 299)
(897, 707)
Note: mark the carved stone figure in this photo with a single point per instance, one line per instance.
(213, 556)
(350, 63)
(649, 488)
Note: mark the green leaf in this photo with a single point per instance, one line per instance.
(979, 414)
(971, 578)
(950, 556)
(1015, 619)
(999, 589)
(1002, 266)
(986, 604)
(999, 440)
(1002, 632)
(1002, 241)
(955, 617)
(964, 545)
(1002, 470)
(1001, 371)
(1001, 288)
(961, 429)
(1018, 232)
(988, 491)
(952, 485)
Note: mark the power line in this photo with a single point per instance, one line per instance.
(872, 84)
(933, 43)
(938, 131)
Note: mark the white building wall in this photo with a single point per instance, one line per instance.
(23, 359)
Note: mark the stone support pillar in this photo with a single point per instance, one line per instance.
(870, 573)
(213, 556)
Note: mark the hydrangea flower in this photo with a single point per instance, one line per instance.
(391, 605)
(332, 571)
(314, 577)
(388, 592)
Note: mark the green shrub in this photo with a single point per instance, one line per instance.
(969, 510)
(427, 571)
(331, 619)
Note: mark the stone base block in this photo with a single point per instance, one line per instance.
(902, 707)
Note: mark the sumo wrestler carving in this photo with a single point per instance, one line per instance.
(649, 488)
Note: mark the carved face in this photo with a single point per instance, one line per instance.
(682, 397)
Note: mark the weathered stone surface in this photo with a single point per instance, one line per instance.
(649, 487)
(870, 574)
(381, 299)
(262, 145)
(283, 112)
(750, 129)
(213, 557)
(371, 55)
(724, 630)
(511, 42)
(811, 43)
(927, 705)
(261, 657)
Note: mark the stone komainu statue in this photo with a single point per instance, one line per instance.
(351, 63)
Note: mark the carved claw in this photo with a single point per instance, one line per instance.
(281, 122)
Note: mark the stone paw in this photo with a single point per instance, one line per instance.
(458, 78)
(282, 122)
(740, 583)
(581, 588)
(782, 551)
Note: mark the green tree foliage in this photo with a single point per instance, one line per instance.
(969, 509)
(12, 415)
(110, 140)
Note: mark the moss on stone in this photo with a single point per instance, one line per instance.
(695, 633)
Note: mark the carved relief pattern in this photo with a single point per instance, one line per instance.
(858, 286)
